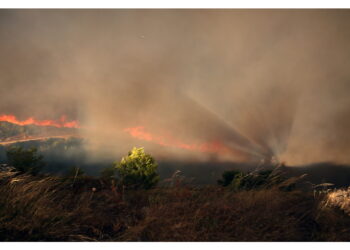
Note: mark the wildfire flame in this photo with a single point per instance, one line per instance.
(61, 123)
(207, 147)
(136, 132)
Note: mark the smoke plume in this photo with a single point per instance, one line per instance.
(263, 83)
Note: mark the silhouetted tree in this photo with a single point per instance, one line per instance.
(25, 160)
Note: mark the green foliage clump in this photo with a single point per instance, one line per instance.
(25, 160)
(138, 170)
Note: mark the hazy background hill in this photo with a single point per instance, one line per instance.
(61, 154)
(12, 131)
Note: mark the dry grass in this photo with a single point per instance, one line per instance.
(53, 209)
(339, 198)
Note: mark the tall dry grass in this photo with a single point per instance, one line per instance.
(85, 209)
(339, 198)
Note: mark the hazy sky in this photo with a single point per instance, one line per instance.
(263, 82)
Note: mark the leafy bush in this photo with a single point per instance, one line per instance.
(138, 170)
(25, 160)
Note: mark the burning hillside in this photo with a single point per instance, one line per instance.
(138, 132)
(60, 123)
(14, 130)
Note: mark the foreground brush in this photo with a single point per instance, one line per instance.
(47, 208)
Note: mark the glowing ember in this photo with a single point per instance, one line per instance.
(61, 123)
(208, 147)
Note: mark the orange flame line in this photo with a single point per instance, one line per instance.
(32, 121)
(208, 147)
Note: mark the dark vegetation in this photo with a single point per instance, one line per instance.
(258, 179)
(9, 130)
(25, 160)
(62, 154)
(52, 196)
(59, 154)
(124, 204)
(46, 208)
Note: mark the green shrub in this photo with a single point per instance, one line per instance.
(138, 170)
(25, 160)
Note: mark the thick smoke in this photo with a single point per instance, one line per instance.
(264, 82)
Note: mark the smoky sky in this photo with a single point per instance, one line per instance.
(264, 82)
